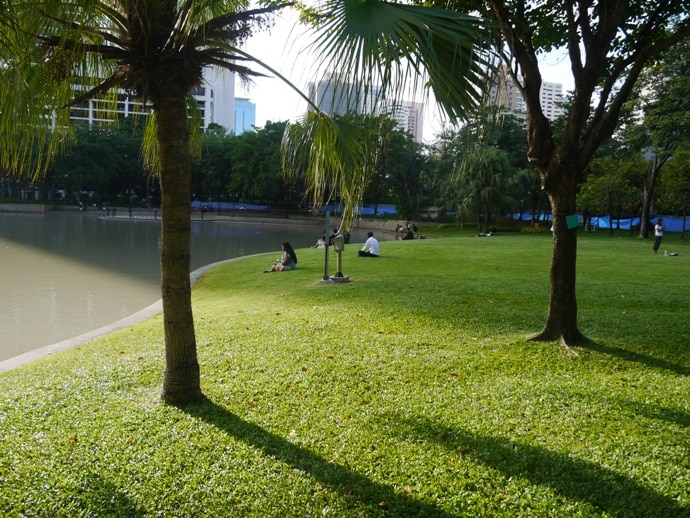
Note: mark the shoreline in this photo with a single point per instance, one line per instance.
(157, 307)
(128, 321)
(138, 214)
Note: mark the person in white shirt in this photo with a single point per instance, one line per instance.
(658, 234)
(371, 246)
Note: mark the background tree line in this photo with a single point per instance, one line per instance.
(475, 172)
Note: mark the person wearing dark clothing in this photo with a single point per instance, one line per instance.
(658, 234)
(288, 261)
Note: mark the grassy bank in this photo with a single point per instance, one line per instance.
(411, 391)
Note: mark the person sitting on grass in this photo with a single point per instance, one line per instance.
(371, 246)
(288, 261)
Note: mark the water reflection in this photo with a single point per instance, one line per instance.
(64, 274)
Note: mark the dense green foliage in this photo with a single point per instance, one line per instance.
(410, 391)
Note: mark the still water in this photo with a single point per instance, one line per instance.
(64, 274)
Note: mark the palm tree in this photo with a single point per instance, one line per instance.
(158, 49)
(375, 51)
(484, 178)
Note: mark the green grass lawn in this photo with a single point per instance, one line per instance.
(411, 391)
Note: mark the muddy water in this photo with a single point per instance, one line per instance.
(64, 274)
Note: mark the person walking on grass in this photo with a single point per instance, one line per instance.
(658, 234)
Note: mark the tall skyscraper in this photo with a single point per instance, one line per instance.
(408, 115)
(338, 98)
(506, 93)
(245, 115)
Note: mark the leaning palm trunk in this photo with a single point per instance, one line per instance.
(181, 382)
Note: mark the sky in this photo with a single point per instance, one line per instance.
(282, 48)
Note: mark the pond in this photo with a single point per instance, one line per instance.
(67, 273)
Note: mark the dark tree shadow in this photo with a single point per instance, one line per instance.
(380, 499)
(577, 480)
(631, 356)
(650, 411)
(99, 497)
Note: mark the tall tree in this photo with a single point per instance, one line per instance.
(610, 187)
(257, 165)
(377, 50)
(609, 43)
(483, 182)
(158, 49)
(212, 169)
(664, 119)
(405, 171)
(675, 191)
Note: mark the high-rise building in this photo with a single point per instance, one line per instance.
(215, 99)
(245, 115)
(408, 115)
(338, 98)
(506, 93)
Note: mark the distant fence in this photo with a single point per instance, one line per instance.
(671, 223)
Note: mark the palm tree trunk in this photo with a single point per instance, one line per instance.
(181, 383)
(561, 320)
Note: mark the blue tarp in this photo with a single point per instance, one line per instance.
(227, 206)
(365, 210)
(528, 217)
(671, 224)
(604, 222)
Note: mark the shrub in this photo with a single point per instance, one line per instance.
(536, 228)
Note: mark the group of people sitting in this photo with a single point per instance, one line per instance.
(288, 260)
(405, 232)
(321, 242)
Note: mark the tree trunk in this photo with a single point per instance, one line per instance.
(649, 183)
(610, 198)
(561, 320)
(487, 218)
(181, 383)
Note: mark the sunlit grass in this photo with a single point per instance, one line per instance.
(411, 391)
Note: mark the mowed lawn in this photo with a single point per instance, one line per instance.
(410, 391)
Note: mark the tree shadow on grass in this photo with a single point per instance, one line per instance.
(631, 356)
(571, 478)
(379, 499)
(94, 495)
(651, 411)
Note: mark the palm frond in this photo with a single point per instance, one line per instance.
(330, 153)
(388, 48)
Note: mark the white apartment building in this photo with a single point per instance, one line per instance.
(215, 99)
(408, 115)
(505, 93)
